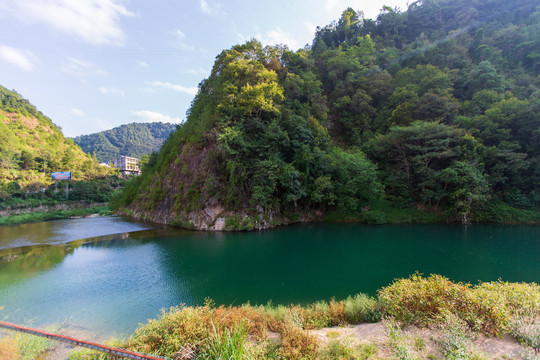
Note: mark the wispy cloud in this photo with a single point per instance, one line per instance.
(151, 116)
(179, 42)
(178, 33)
(81, 68)
(167, 85)
(19, 58)
(198, 71)
(77, 112)
(210, 8)
(142, 64)
(93, 21)
(310, 27)
(278, 36)
(112, 91)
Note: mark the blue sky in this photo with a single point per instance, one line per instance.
(91, 65)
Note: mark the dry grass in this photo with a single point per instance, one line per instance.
(8, 348)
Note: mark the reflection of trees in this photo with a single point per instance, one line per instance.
(23, 262)
(32, 233)
(20, 263)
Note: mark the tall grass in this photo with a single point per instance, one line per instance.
(24, 346)
(227, 345)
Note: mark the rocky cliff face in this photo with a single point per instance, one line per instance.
(185, 196)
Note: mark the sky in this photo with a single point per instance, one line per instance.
(91, 65)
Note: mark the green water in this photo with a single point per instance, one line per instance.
(110, 284)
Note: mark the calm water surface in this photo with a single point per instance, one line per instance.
(110, 284)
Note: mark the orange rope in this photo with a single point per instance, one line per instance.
(76, 342)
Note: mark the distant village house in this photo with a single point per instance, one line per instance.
(127, 164)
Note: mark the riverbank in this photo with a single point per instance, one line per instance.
(39, 216)
(412, 318)
(215, 217)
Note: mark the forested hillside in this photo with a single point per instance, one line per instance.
(135, 139)
(434, 109)
(31, 147)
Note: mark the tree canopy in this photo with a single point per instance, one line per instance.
(436, 107)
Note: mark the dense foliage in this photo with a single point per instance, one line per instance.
(31, 147)
(436, 108)
(135, 139)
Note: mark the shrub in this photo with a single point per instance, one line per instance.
(362, 308)
(297, 344)
(322, 314)
(353, 310)
(418, 300)
(337, 350)
(374, 217)
(176, 328)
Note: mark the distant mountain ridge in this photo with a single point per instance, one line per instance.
(135, 139)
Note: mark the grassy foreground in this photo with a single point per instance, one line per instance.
(52, 215)
(458, 313)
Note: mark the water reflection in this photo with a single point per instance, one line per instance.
(114, 282)
(63, 231)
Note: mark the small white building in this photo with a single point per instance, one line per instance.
(127, 164)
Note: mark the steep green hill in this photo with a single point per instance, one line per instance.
(31, 147)
(135, 139)
(435, 110)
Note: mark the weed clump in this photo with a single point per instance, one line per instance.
(488, 307)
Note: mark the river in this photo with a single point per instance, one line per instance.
(108, 284)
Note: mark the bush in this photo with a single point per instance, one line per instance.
(337, 350)
(353, 310)
(297, 344)
(362, 308)
(499, 212)
(418, 300)
(374, 217)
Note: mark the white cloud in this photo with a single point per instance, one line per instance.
(179, 34)
(330, 5)
(93, 21)
(82, 68)
(278, 36)
(77, 112)
(198, 71)
(151, 116)
(179, 41)
(142, 64)
(112, 91)
(22, 59)
(210, 8)
(311, 28)
(167, 85)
